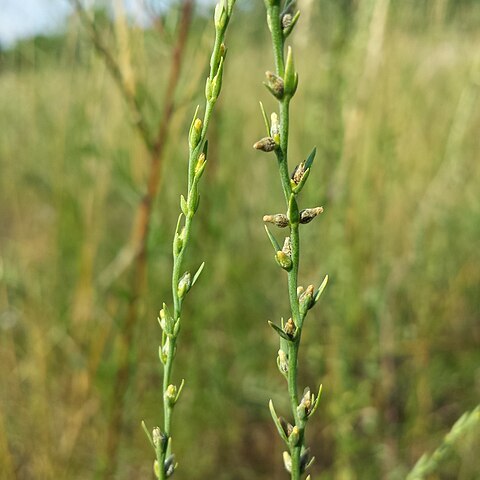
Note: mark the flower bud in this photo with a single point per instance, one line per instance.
(195, 133)
(266, 144)
(286, 426)
(158, 438)
(279, 219)
(282, 362)
(275, 85)
(305, 407)
(200, 166)
(298, 173)
(275, 128)
(306, 300)
(165, 320)
(283, 260)
(287, 247)
(170, 466)
(289, 328)
(294, 437)
(307, 215)
(220, 16)
(287, 461)
(305, 460)
(217, 81)
(171, 395)
(184, 285)
(286, 20)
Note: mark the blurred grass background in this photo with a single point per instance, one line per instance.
(389, 94)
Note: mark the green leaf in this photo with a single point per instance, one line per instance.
(276, 421)
(183, 205)
(265, 119)
(316, 401)
(274, 242)
(293, 213)
(197, 275)
(310, 158)
(180, 388)
(320, 289)
(280, 331)
(147, 433)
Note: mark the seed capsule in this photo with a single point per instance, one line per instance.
(307, 215)
(266, 144)
(279, 219)
(275, 85)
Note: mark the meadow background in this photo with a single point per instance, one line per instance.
(389, 94)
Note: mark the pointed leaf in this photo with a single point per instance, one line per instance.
(310, 158)
(265, 119)
(320, 289)
(183, 205)
(147, 433)
(276, 246)
(317, 401)
(293, 213)
(197, 275)
(276, 421)
(180, 388)
(280, 331)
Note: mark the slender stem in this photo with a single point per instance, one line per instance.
(278, 42)
(183, 233)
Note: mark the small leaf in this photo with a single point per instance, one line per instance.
(276, 421)
(265, 119)
(275, 244)
(180, 388)
(311, 158)
(316, 402)
(197, 275)
(293, 213)
(280, 331)
(183, 205)
(320, 289)
(147, 433)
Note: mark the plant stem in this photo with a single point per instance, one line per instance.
(284, 89)
(182, 283)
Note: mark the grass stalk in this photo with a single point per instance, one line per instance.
(429, 464)
(170, 320)
(283, 84)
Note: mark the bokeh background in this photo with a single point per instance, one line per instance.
(389, 94)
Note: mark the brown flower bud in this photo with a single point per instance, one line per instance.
(307, 215)
(278, 219)
(266, 144)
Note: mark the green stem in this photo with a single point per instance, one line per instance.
(274, 22)
(163, 451)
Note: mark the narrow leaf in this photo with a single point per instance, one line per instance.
(311, 158)
(197, 275)
(280, 331)
(317, 401)
(147, 433)
(265, 119)
(276, 246)
(276, 421)
(180, 388)
(183, 205)
(321, 289)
